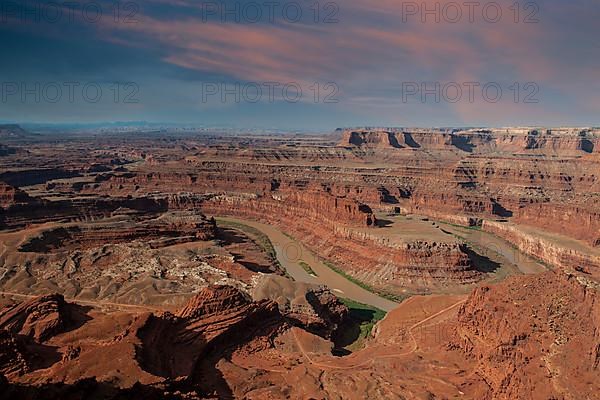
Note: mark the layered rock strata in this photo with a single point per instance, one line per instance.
(554, 250)
(530, 337)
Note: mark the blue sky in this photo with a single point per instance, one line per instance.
(354, 63)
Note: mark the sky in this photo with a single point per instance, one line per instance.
(302, 64)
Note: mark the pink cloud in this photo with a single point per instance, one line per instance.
(361, 55)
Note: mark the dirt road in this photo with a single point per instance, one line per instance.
(373, 357)
(93, 303)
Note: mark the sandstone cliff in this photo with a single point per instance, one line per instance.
(534, 338)
(554, 250)
(536, 140)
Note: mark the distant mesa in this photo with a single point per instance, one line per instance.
(14, 131)
(563, 141)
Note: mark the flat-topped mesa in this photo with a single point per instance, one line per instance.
(369, 138)
(170, 228)
(344, 231)
(566, 141)
(323, 194)
(465, 175)
(392, 264)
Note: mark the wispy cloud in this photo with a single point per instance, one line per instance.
(373, 50)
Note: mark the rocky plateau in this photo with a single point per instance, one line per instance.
(131, 266)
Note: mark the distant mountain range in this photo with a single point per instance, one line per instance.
(14, 131)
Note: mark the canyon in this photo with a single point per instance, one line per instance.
(216, 265)
(512, 340)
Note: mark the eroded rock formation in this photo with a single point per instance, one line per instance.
(504, 341)
(311, 306)
(10, 196)
(555, 250)
(320, 189)
(37, 319)
(535, 337)
(158, 300)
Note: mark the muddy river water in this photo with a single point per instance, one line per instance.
(291, 253)
(498, 249)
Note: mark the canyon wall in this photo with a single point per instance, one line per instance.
(10, 196)
(320, 188)
(561, 140)
(549, 250)
(553, 191)
(541, 177)
(533, 337)
(386, 267)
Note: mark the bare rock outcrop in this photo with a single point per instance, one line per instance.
(212, 300)
(558, 251)
(166, 229)
(313, 307)
(14, 359)
(533, 338)
(534, 140)
(528, 337)
(10, 196)
(38, 319)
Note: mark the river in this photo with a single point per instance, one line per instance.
(505, 252)
(290, 252)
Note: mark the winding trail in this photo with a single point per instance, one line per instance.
(97, 303)
(373, 358)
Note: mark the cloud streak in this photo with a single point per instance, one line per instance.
(373, 50)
